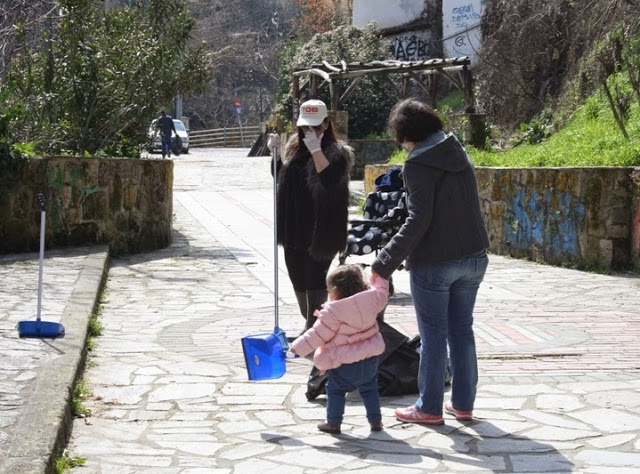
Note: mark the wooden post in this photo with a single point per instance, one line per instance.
(406, 83)
(433, 89)
(465, 75)
(335, 96)
(295, 103)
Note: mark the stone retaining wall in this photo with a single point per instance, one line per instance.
(126, 203)
(588, 217)
(370, 152)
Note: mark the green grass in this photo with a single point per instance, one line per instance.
(454, 101)
(64, 463)
(398, 157)
(80, 394)
(591, 137)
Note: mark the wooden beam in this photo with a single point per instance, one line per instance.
(330, 67)
(420, 83)
(318, 72)
(350, 89)
(394, 85)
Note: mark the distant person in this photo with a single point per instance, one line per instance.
(444, 242)
(166, 126)
(347, 343)
(312, 203)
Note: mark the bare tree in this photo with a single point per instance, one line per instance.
(244, 37)
(22, 23)
(532, 50)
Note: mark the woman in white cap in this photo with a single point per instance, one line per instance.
(313, 202)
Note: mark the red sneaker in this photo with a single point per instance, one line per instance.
(461, 415)
(413, 415)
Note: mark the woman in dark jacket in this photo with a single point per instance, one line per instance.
(444, 242)
(313, 203)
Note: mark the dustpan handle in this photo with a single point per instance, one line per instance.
(275, 234)
(42, 231)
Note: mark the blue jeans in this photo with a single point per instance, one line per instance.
(362, 375)
(166, 145)
(444, 295)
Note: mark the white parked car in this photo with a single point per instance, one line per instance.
(156, 140)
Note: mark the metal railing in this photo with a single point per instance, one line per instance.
(225, 137)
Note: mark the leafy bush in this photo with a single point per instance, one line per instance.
(100, 76)
(369, 105)
(536, 131)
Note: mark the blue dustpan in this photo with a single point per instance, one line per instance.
(39, 328)
(264, 356)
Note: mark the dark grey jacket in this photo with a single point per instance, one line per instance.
(445, 221)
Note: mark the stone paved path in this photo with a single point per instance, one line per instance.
(560, 358)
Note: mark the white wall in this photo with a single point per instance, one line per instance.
(461, 28)
(386, 13)
(412, 46)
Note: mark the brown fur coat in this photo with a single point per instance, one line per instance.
(326, 206)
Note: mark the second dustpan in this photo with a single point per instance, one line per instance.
(39, 328)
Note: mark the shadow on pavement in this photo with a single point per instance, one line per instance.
(498, 452)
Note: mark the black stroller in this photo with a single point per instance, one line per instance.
(384, 212)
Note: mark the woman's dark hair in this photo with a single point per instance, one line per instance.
(346, 280)
(412, 120)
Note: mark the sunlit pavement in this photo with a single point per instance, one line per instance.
(559, 356)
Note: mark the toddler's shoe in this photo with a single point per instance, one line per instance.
(329, 428)
(413, 415)
(376, 426)
(461, 415)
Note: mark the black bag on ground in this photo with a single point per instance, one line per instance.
(397, 366)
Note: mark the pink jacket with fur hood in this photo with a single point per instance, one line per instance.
(346, 330)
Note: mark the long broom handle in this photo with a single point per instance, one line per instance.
(275, 234)
(42, 230)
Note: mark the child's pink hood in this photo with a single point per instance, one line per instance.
(346, 330)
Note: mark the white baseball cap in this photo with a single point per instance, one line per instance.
(312, 113)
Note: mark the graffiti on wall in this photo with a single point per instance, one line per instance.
(529, 223)
(411, 46)
(461, 27)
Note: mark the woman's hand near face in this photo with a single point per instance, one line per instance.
(312, 141)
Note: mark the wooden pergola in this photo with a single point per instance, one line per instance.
(424, 73)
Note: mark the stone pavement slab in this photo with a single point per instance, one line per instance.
(558, 348)
(36, 375)
(559, 359)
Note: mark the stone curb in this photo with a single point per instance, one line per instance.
(38, 439)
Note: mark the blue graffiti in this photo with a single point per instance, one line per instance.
(551, 221)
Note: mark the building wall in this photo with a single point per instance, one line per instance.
(461, 28)
(386, 13)
(412, 46)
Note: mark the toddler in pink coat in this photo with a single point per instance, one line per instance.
(347, 342)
